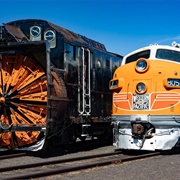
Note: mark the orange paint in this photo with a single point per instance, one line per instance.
(158, 97)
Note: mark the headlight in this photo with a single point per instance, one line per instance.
(113, 84)
(116, 84)
(141, 88)
(141, 65)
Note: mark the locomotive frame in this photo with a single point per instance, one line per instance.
(60, 91)
(146, 104)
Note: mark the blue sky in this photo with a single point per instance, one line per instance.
(121, 25)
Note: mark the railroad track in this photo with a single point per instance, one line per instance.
(71, 148)
(48, 168)
(12, 155)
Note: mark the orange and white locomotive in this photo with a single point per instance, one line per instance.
(146, 99)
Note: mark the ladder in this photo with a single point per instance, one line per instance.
(84, 82)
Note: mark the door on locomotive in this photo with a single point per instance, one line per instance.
(77, 63)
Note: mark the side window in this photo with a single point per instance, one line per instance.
(107, 63)
(116, 62)
(70, 51)
(134, 57)
(168, 54)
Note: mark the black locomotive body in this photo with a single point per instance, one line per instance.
(53, 86)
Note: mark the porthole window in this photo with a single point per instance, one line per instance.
(99, 64)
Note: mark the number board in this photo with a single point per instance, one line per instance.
(173, 82)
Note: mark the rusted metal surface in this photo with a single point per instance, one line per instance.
(69, 35)
(76, 38)
(137, 129)
(59, 85)
(16, 32)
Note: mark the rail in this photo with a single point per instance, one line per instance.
(68, 165)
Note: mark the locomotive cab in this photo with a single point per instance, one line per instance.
(146, 99)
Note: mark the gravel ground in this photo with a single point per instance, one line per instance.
(163, 167)
(53, 156)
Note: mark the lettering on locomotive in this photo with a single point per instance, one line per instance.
(173, 82)
(140, 102)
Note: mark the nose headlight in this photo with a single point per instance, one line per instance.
(141, 65)
(113, 84)
(116, 84)
(141, 88)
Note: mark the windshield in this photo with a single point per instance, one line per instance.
(134, 57)
(168, 55)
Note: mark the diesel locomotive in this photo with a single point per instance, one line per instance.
(53, 86)
(146, 99)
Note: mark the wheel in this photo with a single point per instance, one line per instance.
(23, 99)
(73, 136)
(82, 138)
